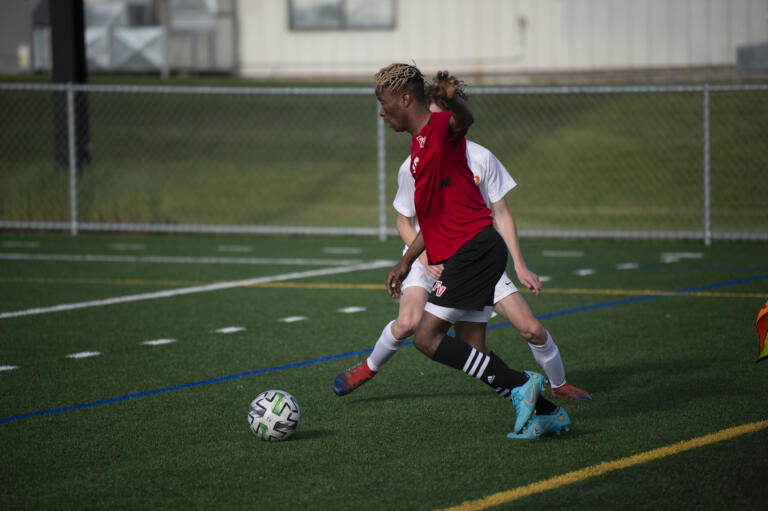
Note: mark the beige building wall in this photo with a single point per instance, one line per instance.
(488, 38)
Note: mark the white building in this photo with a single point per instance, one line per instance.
(507, 40)
(489, 41)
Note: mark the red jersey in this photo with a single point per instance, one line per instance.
(449, 206)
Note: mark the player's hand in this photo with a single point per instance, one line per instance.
(444, 85)
(395, 278)
(435, 270)
(529, 280)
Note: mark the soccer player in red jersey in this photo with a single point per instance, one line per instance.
(494, 182)
(457, 231)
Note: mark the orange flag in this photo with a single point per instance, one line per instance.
(762, 328)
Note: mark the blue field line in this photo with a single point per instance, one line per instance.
(183, 386)
(313, 361)
(644, 298)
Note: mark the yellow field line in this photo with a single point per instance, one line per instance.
(605, 467)
(374, 287)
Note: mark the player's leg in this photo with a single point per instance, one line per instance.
(398, 330)
(474, 335)
(415, 291)
(431, 339)
(513, 307)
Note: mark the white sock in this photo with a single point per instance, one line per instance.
(548, 357)
(384, 349)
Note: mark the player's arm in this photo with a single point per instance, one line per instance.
(397, 274)
(505, 224)
(408, 233)
(444, 87)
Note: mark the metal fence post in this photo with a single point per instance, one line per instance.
(72, 143)
(382, 173)
(707, 171)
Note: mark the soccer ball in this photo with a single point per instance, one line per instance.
(274, 415)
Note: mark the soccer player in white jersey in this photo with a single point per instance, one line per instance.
(494, 182)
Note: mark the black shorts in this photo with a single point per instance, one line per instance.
(470, 275)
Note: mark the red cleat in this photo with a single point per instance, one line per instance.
(349, 380)
(568, 391)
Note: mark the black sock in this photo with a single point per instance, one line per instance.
(544, 407)
(488, 368)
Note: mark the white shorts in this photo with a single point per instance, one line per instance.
(504, 288)
(418, 277)
(453, 315)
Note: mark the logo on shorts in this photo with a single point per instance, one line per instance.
(439, 288)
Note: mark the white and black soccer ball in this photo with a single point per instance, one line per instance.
(274, 415)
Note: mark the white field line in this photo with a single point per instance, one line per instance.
(342, 250)
(229, 330)
(159, 342)
(197, 289)
(84, 354)
(293, 319)
(127, 246)
(21, 244)
(562, 253)
(351, 310)
(101, 258)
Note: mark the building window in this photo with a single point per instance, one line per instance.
(341, 14)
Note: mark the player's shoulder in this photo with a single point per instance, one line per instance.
(475, 147)
(406, 165)
(479, 156)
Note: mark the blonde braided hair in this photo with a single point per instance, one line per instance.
(400, 78)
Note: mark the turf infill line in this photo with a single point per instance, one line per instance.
(197, 289)
(102, 258)
(583, 474)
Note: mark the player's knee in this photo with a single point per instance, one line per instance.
(426, 343)
(405, 325)
(533, 332)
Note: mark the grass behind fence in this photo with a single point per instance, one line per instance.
(617, 161)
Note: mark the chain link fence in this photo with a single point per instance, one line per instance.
(682, 162)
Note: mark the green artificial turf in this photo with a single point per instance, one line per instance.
(165, 427)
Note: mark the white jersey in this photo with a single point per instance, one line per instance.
(490, 176)
(494, 182)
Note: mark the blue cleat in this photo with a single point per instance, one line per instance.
(543, 425)
(524, 398)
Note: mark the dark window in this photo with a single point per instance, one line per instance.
(341, 14)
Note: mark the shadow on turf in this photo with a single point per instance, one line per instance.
(397, 397)
(312, 434)
(640, 388)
